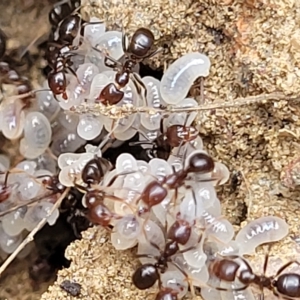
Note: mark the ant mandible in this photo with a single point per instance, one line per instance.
(138, 49)
(228, 269)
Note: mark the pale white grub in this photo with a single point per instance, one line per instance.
(153, 99)
(37, 131)
(179, 77)
(260, 231)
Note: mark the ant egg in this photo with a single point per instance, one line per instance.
(205, 193)
(130, 132)
(110, 42)
(126, 163)
(89, 127)
(160, 168)
(260, 231)
(196, 257)
(176, 281)
(66, 141)
(27, 151)
(245, 294)
(37, 132)
(183, 118)
(28, 166)
(13, 223)
(47, 103)
(68, 121)
(128, 226)
(99, 82)
(28, 189)
(93, 32)
(122, 243)
(9, 243)
(151, 232)
(190, 209)
(154, 99)
(180, 75)
(12, 119)
(197, 276)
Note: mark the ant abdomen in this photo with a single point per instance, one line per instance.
(288, 285)
(199, 162)
(145, 276)
(225, 269)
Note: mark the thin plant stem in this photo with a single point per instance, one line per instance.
(31, 235)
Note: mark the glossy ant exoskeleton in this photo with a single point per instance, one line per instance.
(138, 49)
(229, 269)
(61, 10)
(156, 191)
(58, 53)
(174, 136)
(92, 174)
(148, 274)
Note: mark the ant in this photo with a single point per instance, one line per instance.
(138, 49)
(59, 53)
(175, 136)
(149, 273)
(228, 269)
(92, 174)
(60, 11)
(156, 191)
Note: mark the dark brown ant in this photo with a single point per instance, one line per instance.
(138, 49)
(228, 269)
(94, 170)
(175, 136)
(57, 79)
(61, 11)
(156, 191)
(148, 274)
(92, 174)
(53, 184)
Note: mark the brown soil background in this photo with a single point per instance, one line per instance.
(254, 50)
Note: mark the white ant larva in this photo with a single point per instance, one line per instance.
(180, 75)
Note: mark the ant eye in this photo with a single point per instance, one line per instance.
(145, 276)
(200, 162)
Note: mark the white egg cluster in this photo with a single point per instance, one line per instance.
(18, 187)
(92, 75)
(194, 202)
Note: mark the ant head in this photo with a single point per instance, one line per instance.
(94, 171)
(167, 294)
(145, 276)
(141, 42)
(200, 163)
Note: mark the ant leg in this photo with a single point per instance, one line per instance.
(73, 73)
(285, 266)
(124, 41)
(154, 53)
(140, 86)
